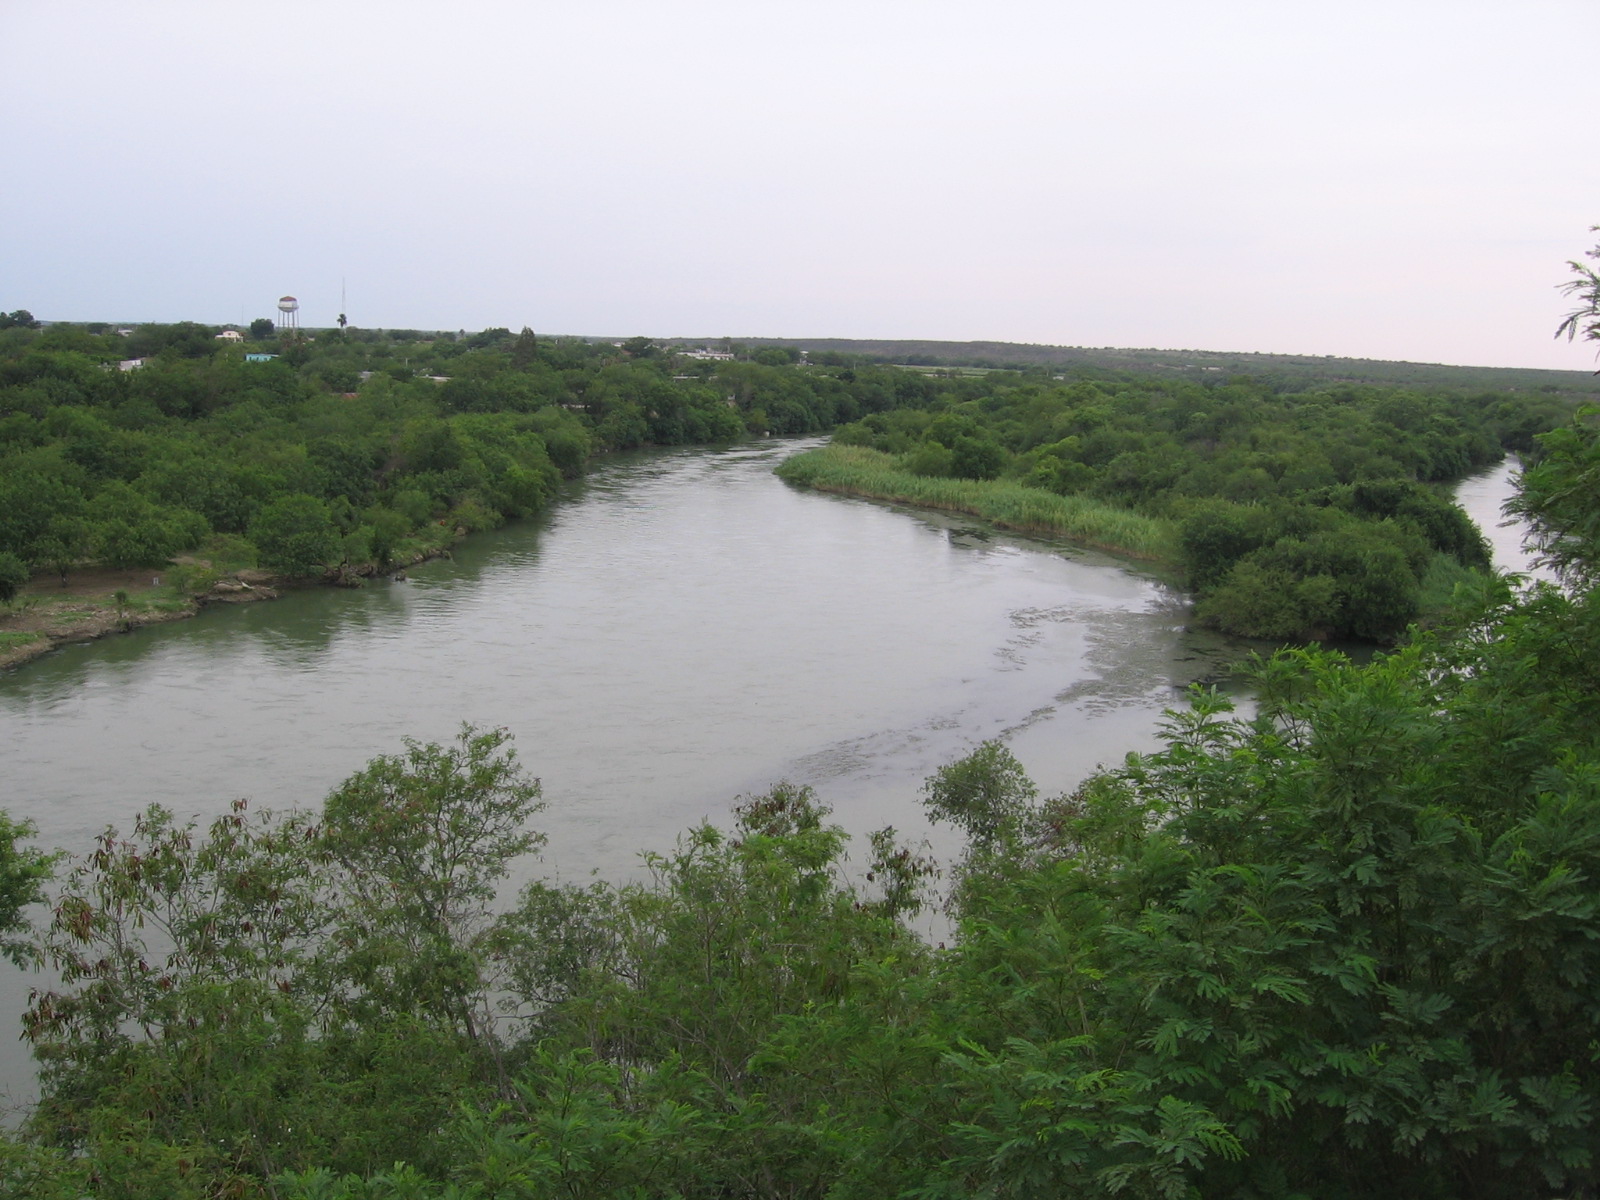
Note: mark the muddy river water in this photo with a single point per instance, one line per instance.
(681, 629)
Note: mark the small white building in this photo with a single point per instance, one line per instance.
(230, 335)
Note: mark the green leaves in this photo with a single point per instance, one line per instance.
(985, 794)
(1342, 946)
(1559, 495)
(296, 535)
(23, 872)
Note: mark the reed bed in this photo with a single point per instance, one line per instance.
(859, 471)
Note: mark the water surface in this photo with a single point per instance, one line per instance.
(683, 628)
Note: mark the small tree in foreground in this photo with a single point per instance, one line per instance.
(1583, 321)
(275, 991)
(420, 840)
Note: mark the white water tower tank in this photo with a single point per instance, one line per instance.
(288, 313)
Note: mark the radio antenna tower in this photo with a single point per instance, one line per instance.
(342, 321)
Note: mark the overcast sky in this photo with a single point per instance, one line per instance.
(1401, 179)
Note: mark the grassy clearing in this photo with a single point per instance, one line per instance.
(10, 641)
(858, 471)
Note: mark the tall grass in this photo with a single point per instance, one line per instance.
(1440, 583)
(859, 471)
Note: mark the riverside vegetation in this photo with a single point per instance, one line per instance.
(1293, 515)
(335, 457)
(1341, 948)
(1295, 510)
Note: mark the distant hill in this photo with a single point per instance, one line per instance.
(1290, 369)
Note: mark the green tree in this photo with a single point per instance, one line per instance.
(985, 794)
(278, 992)
(388, 529)
(23, 873)
(525, 350)
(126, 529)
(13, 575)
(296, 535)
(1557, 497)
(976, 458)
(420, 841)
(931, 459)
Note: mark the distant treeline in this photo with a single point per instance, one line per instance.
(1294, 371)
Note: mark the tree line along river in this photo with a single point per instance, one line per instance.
(682, 628)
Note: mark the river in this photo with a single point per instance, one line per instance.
(682, 628)
(1483, 497)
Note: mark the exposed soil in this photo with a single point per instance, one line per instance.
(85, 607)
(93, 581)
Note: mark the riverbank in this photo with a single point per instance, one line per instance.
(860, 471)
(94, 602)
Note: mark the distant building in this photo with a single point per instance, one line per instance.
(130, 364)
(259, 357)
(230, 335)
(720, 355)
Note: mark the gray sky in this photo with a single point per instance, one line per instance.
(1400, 179)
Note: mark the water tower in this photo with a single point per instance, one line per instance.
(288, 315)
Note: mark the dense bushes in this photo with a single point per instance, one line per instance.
(1314, 495)
(402, 441)
(1296, 516)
